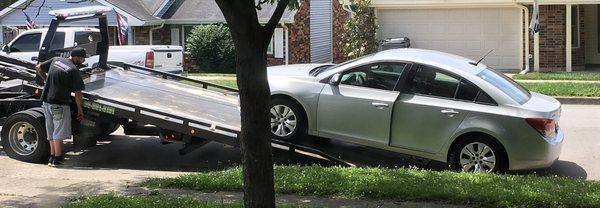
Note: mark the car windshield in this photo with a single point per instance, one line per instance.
(330, 67)
(515, 91)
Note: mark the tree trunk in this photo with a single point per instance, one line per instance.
(251, 43)
(255, 140)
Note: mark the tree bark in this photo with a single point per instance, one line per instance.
(251, 41)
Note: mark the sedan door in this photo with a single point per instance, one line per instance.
(360, 108)
(431, 107)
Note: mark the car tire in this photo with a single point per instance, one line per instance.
(280, 124)
(24, 137)
(477, 154)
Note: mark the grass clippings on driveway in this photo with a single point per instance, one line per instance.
(480, 190)
(565, 89)
(588, 76)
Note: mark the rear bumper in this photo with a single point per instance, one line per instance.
(541, 153)
(176, 70)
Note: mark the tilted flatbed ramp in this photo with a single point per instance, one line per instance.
(166, 102)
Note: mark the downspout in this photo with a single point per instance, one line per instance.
(524, 32)
(162, 24)
(287, 45)
(346, 7)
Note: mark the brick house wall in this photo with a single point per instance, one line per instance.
(161, 36)
(299, 45)
(553, 39)
(300, 33)
(340, 16)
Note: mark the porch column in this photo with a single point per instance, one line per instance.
(1, 34)
(568, 45)
(536, 52)
(130, 36)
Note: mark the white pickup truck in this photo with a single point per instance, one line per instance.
(160, 57)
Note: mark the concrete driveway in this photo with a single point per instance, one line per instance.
(119, 161)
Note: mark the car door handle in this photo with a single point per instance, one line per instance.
(34, 58)
(449, 112)
(380, 104)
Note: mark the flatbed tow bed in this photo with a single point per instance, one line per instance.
(142, 100)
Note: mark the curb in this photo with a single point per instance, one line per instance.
(579, 100)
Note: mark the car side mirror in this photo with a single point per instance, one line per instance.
(6, 49)
(335, 80)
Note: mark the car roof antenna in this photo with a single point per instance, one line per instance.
(484, 56)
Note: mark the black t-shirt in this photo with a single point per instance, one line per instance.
(63, 78)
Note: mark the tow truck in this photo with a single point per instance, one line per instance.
(143, 101)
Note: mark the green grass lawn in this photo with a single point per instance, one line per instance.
(593, 76)
(209, 75)
(228, 83)
(152, 201)
(479, 190)
(565, 89)
(551, 89)
(114, 201)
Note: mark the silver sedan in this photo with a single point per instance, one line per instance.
(419, 102)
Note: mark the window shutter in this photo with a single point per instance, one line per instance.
(278, 36)
(175, 36)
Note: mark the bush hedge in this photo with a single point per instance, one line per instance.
(211, 48)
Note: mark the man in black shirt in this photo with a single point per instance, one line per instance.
(62, 78)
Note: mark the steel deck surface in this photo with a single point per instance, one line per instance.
(168, 96)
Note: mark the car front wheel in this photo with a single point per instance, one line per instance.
(287, 120)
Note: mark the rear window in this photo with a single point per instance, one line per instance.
(515, 91)
(88, 40)
(58, 42)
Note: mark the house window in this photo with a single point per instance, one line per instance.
(575, 40)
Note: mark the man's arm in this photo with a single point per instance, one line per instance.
(42, 68)
(76, 87)
(79, 102)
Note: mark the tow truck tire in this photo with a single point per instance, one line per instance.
(110, 128)
(93, 129)
(24, 137)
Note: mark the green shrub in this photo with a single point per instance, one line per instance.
(211, 48)
(359, 30)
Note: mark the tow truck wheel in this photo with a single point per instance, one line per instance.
(24, 137)
(111, 128)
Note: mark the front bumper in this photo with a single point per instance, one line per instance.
(541, 153)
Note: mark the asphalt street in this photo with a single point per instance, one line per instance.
(120, 160)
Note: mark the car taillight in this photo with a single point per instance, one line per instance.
(150, 59)
(546, 127)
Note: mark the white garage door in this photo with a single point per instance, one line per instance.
(466, 32)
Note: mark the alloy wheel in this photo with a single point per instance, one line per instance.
(283, 120)
(477, 157)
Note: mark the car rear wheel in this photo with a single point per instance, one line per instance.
(287, 120)
(479, 155)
